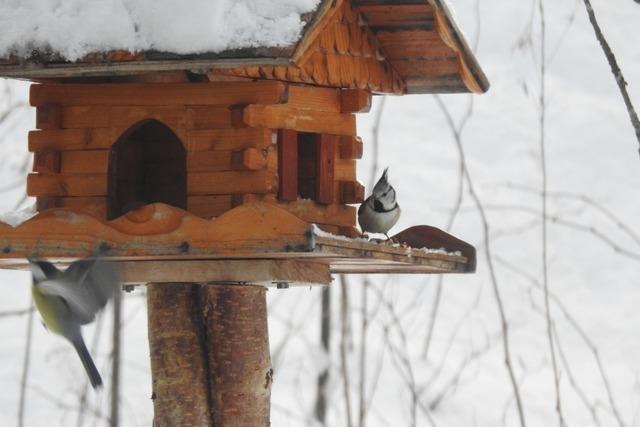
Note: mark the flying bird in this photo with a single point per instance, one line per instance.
(71, 298)
(380, 211)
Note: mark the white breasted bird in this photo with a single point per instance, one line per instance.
(71, 298)
(380, 211)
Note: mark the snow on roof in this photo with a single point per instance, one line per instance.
(75, 28)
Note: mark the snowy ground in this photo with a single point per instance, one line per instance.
(591, 151)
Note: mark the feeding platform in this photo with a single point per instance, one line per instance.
(160, 243)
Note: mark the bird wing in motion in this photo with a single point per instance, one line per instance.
(86, 286)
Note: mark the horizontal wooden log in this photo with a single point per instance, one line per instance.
(95, 206)
(229, 139)
(223, 93)
(314, 98)
(253, 159)
(351, 192)
(258, 182)
(205, 117)
(203, 206)
(69, 139)
(310, 211)
(46, 162)
(49, 117)
(350, 147)
(90, 161)
(258, 272)
(103, 138)
(345, 170)
(283, 117)
(66, 185)
(355, 101)
(224, 182)
(157, 231)
(176, 117)
(209, 206)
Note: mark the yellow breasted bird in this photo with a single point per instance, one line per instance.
(71, 298)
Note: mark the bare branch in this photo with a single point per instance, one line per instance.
(543, 168)
(494, 278)
(25, 366)
(615, 69)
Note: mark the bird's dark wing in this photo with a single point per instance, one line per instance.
(43, 270)
(86, 286)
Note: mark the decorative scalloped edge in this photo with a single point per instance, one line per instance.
(157, 229)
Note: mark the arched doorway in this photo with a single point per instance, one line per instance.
(147, 164)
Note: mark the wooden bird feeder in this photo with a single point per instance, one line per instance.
(235, 168)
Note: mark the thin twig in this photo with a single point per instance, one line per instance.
(494, 279)
(543, 168)
(25, 367)
(576, 326)
(364, 327)
(615, 69)
(344, 308)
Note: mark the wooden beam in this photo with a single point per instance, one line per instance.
(355, 101)
(259, 182)
(223, 93)
(345, 170)
(325, 167)
(287, 165)
(205, 117)
(209, 206)
(66, 185)
(253, 159)
(351, 192)
(258, 272)
(49, 116)
(94, 206)
(350, 147)
(90, 161)
(46, 162)
(158, 231)
(283, 117)
(229, 139)
(69, 139)
(315, 98)
(309, 211)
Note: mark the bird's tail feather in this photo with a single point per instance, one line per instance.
(87, 362)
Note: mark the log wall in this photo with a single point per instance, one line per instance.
(229, 131)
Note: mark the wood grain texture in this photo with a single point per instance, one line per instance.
(256, 272)
(282, 117)
(46, 162)
(350, 147)
(287, 165)
(235, 319)
(355, 101)
(180, 377)
(49, 116)
(226, 182)
(223, 93)
(155, 230)
(326, 146)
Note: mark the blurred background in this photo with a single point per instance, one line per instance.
(428, 350)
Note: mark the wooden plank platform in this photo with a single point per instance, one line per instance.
(258, 243)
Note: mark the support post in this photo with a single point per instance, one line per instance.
(239, 360)
(178, 366)
(210, 357)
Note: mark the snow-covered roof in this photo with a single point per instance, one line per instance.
(403, 46)
(76, 28)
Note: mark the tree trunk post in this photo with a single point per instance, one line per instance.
(210, 356)
(178, 366)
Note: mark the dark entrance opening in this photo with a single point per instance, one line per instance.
(147, 164)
